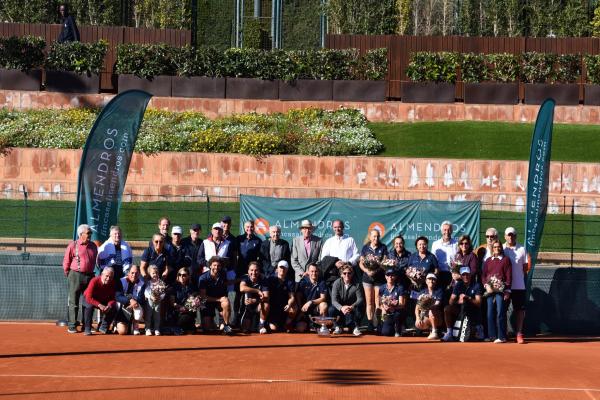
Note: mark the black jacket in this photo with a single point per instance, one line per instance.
(69, 31)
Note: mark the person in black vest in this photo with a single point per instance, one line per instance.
(68, 31)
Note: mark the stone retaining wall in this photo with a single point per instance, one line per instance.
(500, 185)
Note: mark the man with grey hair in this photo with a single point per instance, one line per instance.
(306, 249)
(100, 294)
(445, 249)
(78, 266)
(484, 251)
(274, 250)
(115, 253)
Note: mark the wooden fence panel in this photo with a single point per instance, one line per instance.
(114, 35)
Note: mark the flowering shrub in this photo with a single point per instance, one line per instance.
(308, 132)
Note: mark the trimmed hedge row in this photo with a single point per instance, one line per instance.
(530, 67)
(307, 131)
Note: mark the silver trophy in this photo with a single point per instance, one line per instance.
(326, 324)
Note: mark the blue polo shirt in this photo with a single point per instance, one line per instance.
(160, 260)
(380, 251)
(279, 292)
(310, 291)
(396, 292)
(214, 288)
(474, 289)
(248, 250)
(401, 259)
(438, 294)
(428, 264)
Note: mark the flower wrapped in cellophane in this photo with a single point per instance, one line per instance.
(494, 285)
(372, 263)
(425, 302)
(157, 290)
(416, 276)
(195, 303)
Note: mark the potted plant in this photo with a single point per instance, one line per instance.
(551, 76)
(21, 59)
(304, 75)
(367, 78)
(199, 73)
(74, 67)
(251, 74)
(490, 78)
(432, 78)
(146, 67)
(592, 87)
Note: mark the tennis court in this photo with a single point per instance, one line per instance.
(40, 360)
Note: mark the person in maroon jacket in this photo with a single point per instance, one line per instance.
(100, 294)
(497, 278)
(78, 265)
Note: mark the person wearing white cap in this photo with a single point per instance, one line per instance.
(518, 259)
(282, 301)
(214, 245)
(177, 253)
(430, 317)
(445, 249)
(306, 249)
(466, 294)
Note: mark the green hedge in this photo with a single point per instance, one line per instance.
(530, 67)
(307, 131)
(83, 58)
(22, 53)
(153, 60)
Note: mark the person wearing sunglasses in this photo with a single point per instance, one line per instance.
(484, 251)
(466, 258)
(156, 254)
(183, 319)
(347, 301)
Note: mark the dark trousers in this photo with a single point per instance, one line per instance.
(77, 283)
(392, 323)
(107, 317)
(350, 320)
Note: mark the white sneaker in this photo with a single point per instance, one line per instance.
(397, 334)
(157, 332)
(500, 341)
(136, 332)
(323, 330)
(433, 336)
(448, 337)
(262, 330)
(357, 332)
(148, 332)
(337, 330)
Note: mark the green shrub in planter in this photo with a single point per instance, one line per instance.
(503, 67)
(592, 67)
(258, 144)
(256, 34)
(82, 58)
(203, 61)
(538, 67)
(373, 65)
(473, 68)
(568, 68)
(250, 63)
(433, 67)
(211, 140)
(22, 53)
(145, 60)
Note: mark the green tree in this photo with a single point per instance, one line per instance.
(573, 20)
(31, 11)
(403, 12)
(595, 23)
(367, 17)
(301, 24)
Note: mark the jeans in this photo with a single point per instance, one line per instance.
(77, 283)
(496, 321)
(350, 320)
(107, 317)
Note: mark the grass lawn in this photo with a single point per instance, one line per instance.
(484, 140)
(54, 219)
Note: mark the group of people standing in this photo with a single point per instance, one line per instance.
(225, 282)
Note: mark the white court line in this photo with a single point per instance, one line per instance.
(263, 380)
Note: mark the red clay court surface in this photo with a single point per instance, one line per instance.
(42, 361)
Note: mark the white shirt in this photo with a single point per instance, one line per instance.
(342, 247)
(444, 252)
(518, 258)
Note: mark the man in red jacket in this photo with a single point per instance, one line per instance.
(100, 294)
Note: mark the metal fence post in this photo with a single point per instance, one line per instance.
(25, 254)
(572, 229)
(208, 224)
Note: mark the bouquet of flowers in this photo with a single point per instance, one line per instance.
(494, 285)
(416, 276)
(425, 303)
(389, 263)
(456, 265)
(389, 301)
(372, 263)
(195, 303)
(157, 290)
